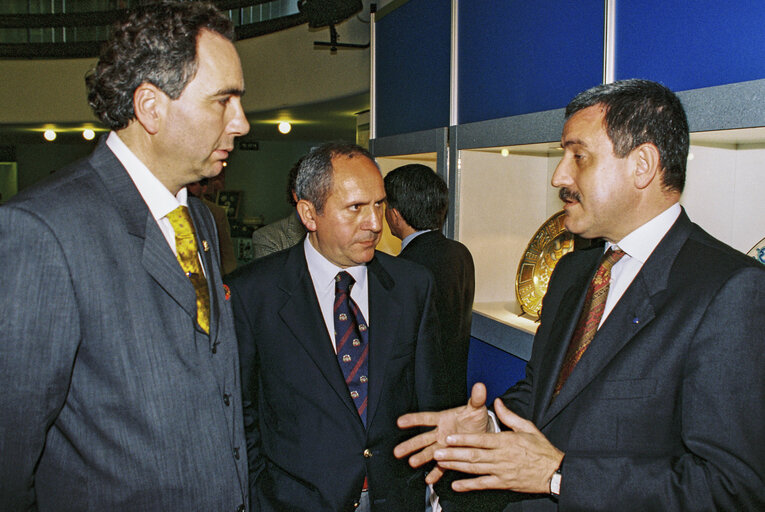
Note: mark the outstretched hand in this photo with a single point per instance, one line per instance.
(521, 460)
(472, 418)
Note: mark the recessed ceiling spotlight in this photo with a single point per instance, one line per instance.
(285, 127)
(49, 135)
(88, 134)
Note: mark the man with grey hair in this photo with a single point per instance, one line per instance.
(118, 358)
(336, 341)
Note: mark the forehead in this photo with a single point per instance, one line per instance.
(218, 62)
(355, 174)
(586, 127)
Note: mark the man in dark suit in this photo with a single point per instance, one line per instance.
(326, 370)
(118, 358)
(417, 201)
(645, 388)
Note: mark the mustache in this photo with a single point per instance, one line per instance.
(567, 195)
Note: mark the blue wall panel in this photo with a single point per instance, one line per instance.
(494, 367)
(517, 56)
(413, 52)
(688, 45)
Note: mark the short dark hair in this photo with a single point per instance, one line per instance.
(314, 178)
(640, 111)
(155, 43)
(419, 194)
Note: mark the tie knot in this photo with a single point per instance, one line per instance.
(181, 221)
(611, 257)
(343, 282)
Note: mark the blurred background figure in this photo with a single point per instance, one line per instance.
(227, 256)
(417, 203)
(283, 233)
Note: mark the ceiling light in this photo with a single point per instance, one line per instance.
(285, 127)
(49, 135)
(88, 134)
(505, 152)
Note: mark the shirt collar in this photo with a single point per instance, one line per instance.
(324, 271)
(157, 197)
(411, 237)
(641, 242)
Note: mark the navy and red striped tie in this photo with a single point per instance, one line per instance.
(351, 342)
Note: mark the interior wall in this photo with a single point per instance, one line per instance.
(262, 176)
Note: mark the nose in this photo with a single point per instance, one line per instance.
(238, 125)
(373, 221)
(561, 177)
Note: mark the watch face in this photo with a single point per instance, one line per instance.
(555, 484)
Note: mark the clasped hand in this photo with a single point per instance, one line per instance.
(521, 459)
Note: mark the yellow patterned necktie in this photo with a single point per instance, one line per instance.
(188, 257)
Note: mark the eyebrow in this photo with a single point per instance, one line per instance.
(232, 91)
(573, 142)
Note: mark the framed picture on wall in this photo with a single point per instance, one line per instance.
(230, 200)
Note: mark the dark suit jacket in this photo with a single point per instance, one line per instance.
(308, 449)
(665, 410)
(112, 398)
(452, 267)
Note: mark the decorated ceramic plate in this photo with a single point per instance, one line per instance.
(758, 251)
(546, 248)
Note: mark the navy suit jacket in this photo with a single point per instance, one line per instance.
(308, 448)
(665, 410)
(112, 398)
(453, 271)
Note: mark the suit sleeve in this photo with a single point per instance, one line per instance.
(39, 337)
(430, 372)
(248, 361)
(722, 461)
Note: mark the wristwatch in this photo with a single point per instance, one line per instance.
(555, 483)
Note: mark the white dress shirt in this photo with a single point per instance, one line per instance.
(323, 274)
(411, 237)
(638, 246)
(156, 196)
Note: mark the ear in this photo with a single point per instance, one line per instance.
(148, 104)
(307, 213)
(647, 164)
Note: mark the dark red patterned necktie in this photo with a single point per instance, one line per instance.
(589, 319)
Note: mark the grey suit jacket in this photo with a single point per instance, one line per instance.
(665, 410)
(112, 398)
(277, 236)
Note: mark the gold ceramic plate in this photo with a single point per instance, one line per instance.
(547, 247)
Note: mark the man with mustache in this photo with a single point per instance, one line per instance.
(118, 358)
(644, 390)
(336, 341)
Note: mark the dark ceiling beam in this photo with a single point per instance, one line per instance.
(95, 18)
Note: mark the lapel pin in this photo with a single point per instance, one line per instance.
(205, 245)
(636, 320)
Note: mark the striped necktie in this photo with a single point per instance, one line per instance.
(589, 319)
(188, 257)
(351, 342)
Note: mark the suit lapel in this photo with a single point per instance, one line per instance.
(634, 311)
(302, 315)
(157, 258)
(204, 228)
(384, 312)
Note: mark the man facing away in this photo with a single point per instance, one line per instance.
(336, 341)
(417, 202)
(118, 357)
(644, 390)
